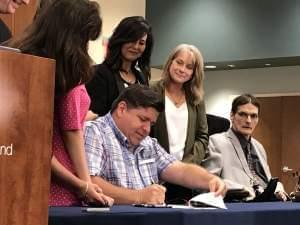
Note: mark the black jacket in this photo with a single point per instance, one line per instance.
(105, 87)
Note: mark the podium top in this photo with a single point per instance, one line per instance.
(5, 48)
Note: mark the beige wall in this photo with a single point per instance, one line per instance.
(222, 86)
(112, 11)
(155, 74)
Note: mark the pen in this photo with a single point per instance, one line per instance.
(152, 180)
(95, 209)
(152, 205)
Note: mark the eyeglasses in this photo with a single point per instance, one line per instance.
(244, 115)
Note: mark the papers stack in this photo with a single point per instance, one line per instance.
(208, 200)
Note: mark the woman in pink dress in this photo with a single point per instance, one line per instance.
(61, 31)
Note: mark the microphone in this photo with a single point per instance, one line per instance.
(286, 169)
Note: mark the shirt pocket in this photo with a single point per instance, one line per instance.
(148, 170)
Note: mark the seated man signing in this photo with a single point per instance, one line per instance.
(128, 164)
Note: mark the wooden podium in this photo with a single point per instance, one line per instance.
(26, 121)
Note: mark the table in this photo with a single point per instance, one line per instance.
(269, 213)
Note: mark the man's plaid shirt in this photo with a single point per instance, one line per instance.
(109, 157)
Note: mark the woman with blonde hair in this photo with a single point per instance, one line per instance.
(182, 128)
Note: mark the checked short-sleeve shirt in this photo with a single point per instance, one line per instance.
(109, 157)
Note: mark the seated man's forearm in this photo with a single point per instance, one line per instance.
(193, 176)
(186, 175)
(196, 171)
(153, 194)
(119, 194)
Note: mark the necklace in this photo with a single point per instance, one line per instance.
(177, 100)
(127, 76)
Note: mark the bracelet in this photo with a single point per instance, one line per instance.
(86, 189)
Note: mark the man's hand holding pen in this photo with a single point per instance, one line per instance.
(153, 194)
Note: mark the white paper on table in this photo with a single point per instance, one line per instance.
(174, 206)
(208, 199)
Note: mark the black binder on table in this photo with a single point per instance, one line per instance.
(268, 194)
(238, 195)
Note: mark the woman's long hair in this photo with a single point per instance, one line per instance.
(61, 31)
(130, 29)
(194, 87)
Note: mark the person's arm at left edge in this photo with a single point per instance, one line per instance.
(200, 143)
(193, 176)
(10, 6)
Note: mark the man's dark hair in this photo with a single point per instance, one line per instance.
(139, 96)
(242, 100)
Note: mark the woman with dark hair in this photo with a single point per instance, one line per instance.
(127, 62)
(42, 4)
(61, 31)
